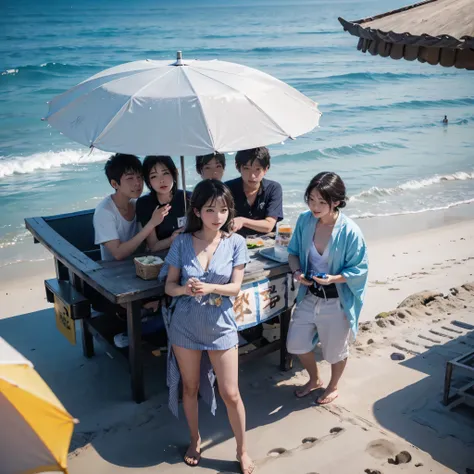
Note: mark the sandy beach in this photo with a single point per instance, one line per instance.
(389, 404)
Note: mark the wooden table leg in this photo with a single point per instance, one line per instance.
(286, 359)
(135, 356)
(87, 338)
(447, 382)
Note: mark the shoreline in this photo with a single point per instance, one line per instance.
(407, 253)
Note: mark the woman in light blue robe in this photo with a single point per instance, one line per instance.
(328, 257)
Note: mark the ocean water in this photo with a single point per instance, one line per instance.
(381, 126)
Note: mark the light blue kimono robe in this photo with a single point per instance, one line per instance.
(347, 257)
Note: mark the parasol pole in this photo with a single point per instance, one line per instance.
(183, 181)
(179, 62)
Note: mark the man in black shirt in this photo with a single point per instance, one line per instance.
(258, 201)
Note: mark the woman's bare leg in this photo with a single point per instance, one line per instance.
(189, 362)
(308, 362)
(226, 367)
(330, 394)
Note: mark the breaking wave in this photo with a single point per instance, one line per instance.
(12, 165)
(412, 184)
(366, 215)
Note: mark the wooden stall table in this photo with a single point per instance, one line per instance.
(80, 275)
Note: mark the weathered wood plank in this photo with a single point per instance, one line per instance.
(76, 227)
(68, 255)
(117, 280)
(123, 282)
(59, 246)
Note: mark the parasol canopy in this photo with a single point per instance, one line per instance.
(181, 108)
(433, 31)
(36, 428)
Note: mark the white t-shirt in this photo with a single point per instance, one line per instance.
(109, 225)
(317, 262)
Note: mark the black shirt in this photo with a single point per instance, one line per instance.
(147, 204)
(268, 202)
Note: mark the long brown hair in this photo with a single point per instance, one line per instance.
(209, 190)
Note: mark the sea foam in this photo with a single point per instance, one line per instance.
(47, 160)
(366, 215)
(411, 185)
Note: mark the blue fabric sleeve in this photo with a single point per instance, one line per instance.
(275, 202)
(356, 264)
(240, 256)
(174, 256)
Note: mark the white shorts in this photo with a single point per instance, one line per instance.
(325, 317)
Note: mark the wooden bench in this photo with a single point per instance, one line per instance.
(465, 365)
(79, 306)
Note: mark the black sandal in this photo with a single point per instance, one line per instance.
(194, 458)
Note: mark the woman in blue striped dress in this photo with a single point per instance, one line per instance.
(206, 268)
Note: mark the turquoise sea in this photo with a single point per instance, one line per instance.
(381, 126)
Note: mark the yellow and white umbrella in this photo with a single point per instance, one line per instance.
(35, 428)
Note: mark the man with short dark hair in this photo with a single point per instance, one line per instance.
(211, 166)
(115, 224)
(116, 228)
(258, 201)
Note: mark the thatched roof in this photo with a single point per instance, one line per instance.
(433, 31)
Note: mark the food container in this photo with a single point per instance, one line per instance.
(282, 239)
(148, 268)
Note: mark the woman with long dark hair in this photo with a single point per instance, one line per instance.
(161, 177)
(328, 256)
(206, 268)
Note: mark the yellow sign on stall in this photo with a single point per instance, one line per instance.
(64, 321)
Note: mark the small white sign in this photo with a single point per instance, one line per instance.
(181, 221)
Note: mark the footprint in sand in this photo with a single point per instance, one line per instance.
(309, 442)
(276, 452)
(401, 458)
(381, 449)
(336, 430)
(372, 471)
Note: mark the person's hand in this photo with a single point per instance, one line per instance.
(298, 276)
(201, 288)
(237, 224)
(324, 281)
(189, 287)
(159, 215)
(176, 233)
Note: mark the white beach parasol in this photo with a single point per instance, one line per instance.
(181, 108)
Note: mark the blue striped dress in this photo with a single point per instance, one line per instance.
(199, 325)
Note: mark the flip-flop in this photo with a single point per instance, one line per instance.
(196, 458)
(307, 393)
(330, 397)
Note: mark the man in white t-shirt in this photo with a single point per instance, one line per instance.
(116, 227)
(115, 224)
